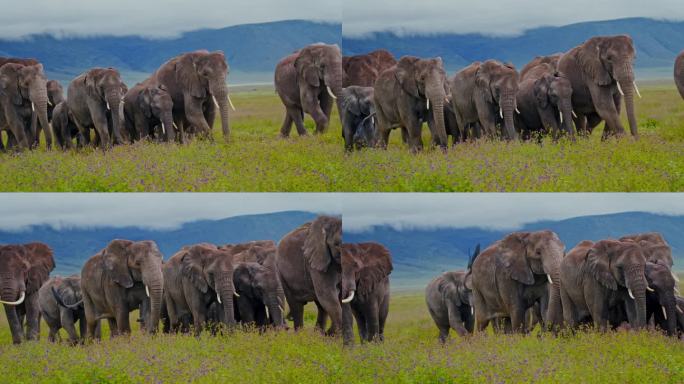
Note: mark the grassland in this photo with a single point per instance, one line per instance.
(410, 354)
(258, 160)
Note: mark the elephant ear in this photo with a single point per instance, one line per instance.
(482, 80)
(9, 84)
(512, 257)
(191, 269)
(144, 102)
(598, 265)
(115, 259)
(350, 102)
(91, 83)
(41, 261)
(589, 58)
(376, 265)
(187, 75)
(305, 64)
(541, 89)
(406, 75)
(448, 286)
(316, 251)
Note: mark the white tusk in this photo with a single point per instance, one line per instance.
(109, 109)
(637, 90)
(50, 104)
(574, 114)
(236, 294)
(517, 110)
(560, 114)
(231, 103)
(664, 312)
(373, 120)
(630, 293)
(549, 277)
(472, 310)
(215, 102)
(163, 129)
(649, 288)
(501, 112)
(350, 298)
(21, 300)
(680, 310)
(147, 291)
(218, 297)
(427, 103)
(33, 107)
(330, 92)
(267, 316)
(620, 88)
(282, 310)
(175, 126)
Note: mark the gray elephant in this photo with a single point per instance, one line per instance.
(61, 305)
(515, 272)
(147, 105)
(601, 73)
(363, 70)
(197, 84)
(23, 270)
(654, 246)
(93, 99)
(485, 93)
(308, 262)
(259, 294)
(309, 81)
(661, 302)
(551, 60)
(64, 127)
(23, 104)
(358, 118)
(679, 73)
(405, 96)
(597, 277)
(118, 280)
(55, 95)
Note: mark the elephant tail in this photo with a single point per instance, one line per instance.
(473, 256)
(59, 300)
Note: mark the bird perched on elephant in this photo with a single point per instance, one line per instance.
(509, 276)
(406, 94)
(147, 105)
(117, 280)
(366, 287)
(595, 277)
(363, 70)
(601, 73)
(61, 305)
(485, 93)
(24, 268)
(309, 81)
(679, 73)
(358, 117)
(309, 266)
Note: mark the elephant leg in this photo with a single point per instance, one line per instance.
(195, 115)
(333, 309)
(605, 108)
(569, 311)
(326, 103)
(443, 333)
(14, 323)
(32, 317)
(372, 321)
(91, 317)
(592, 121)
(455, 321)
(413, 127)
(312, 106)
(348, 324)
(361, 324)
(486, 116)
(81, 326)
(382, 316)
(384, 128)
(99, 117)
(287, 125)
(67, 320)
(321, 317)
(113, 329)
(172, 314)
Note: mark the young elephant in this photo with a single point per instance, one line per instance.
(358, 117)
(146, 106)
(661, 302)
(64, 127)
(61, 305)
(259, 294)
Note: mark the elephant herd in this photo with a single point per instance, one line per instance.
(528, 276)
(202, 286)
(179, 100)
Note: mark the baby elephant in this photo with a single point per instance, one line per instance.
(449, 302)
(61, 305)
(147, 106)
(358, 117)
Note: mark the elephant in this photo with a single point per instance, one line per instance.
(654, 246)
(308, 81)
(147, 105)
(61, 305)
(197, 84)
(661, 303)
(366, 287)
(512, 274)
(122, 277)
(485, 93)
(680, 317)
(93, 98)
(403, 96)
(64, 127)
(260, 292)
(196, 277)
(24, 268)
(23, 104)
(551, 60)
(55, 95)
(597, 277)
(363, 70)
(544, 101)
(358, 117)
(600, 73)
(679, 73)
(309, 267)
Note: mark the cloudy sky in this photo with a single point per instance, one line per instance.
(154, 18)
(500, 17)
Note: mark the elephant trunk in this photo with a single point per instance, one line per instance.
(219, 90)
(333, 80)
(226, 290)
(167, 125)
(113, 100)
(435, 93)
(154, 284)
(10, 294)
(669, 307)
(39, 99)
(275, 310)
(627, 85)
(636, 284)
(565, 109)
(507, 105)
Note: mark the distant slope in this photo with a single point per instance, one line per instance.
(657, 43)
(249, 48)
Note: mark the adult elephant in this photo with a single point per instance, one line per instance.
(309, 81)
(117, 280)
(363, 70)
(679, 73)
(513, 273)
(601, 73)
(358, 117)
(485, 93)
(23, 103)
(147, 105)
(406, 94)
(197, 84)
(544, 102)
(23, 270)
(551, 60)
(61, 304)
(654, 246)
(596, 277)
(661, 302)
(93, 99)
(365, 284)
(309, 266)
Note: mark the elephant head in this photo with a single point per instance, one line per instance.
(23, 271)
(127, 262)
(364, 265)
(655, 248)
(616, 263)
(358, 107)
(254, 281)
(67, 292)
(322, 244)
(105, 86)
(497, 83)
(317, 66)
(454, 289)
(661, 289)
(554, 91)
(608, 59)
(156, 102)
(55, 93)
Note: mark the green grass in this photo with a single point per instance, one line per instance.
(257, 160)
(410, 354)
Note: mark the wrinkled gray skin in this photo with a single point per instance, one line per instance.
(485, 93)
(358, 118)
(55, 95)
(61, 305)
(147, 105)
(23, 104)
(308, 262)
(513, 273)
(114, 281)
(259, 289)
(64, 127)
(551, 60)
(544, 100)
(595, 278)
(93, 99)
(196, 82)
(661, 304)
(654, 246)
(594, 69)
(406, 94)
(679, 73)
(449, 303)
(363, 70)
(305, 81)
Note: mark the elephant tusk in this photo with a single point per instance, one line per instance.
(49, 102)
(620, 88)
(574, 114)
(109, 109)
(267, 314)
(517, 110)
(218, 298)
(147, 291)
(33, 107)
(649, 288)
(629, 290)
(163, 129)
(472, 310)
(679, 309)
(175, 126)
(501, 112)
(21, 300)
(350, 298)
(549, 277)
(236, 294)
(636, 89)
(231, 103)
(664, 312)
(560, 114)
(330, 92)
(215, 101)
(427, 103)
(282, 310)
(373, 120)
